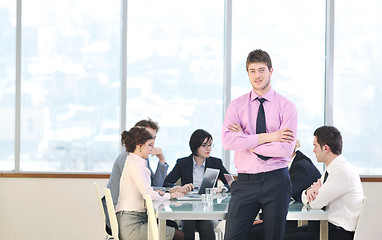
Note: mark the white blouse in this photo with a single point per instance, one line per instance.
(135, 182)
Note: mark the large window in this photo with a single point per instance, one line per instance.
(294, 36)
(358, 82)
(69, 85)
(73, 77)
(175, 70)
(7, 83)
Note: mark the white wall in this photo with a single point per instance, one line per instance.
(62, 209)
(54, 209)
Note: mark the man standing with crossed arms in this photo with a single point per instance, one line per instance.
(261, 128)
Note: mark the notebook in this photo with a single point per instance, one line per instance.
(209, 180)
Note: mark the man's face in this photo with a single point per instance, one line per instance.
(318, 150)
(260, 77)
(153, 132)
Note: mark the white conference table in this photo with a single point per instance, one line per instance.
(196, 210)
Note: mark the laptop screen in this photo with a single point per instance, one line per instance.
(209, 179)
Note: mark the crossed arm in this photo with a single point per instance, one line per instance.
(312, 191)
(239, 132)
(283, 135)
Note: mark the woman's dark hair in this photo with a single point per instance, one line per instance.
(329, 135)
(197, 139)
(143, 123)
(123, 137)
(136, 136)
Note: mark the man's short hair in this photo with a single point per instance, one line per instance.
(259, 56)
(148, 124)
(329, 135)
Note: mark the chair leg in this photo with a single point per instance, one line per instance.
(219, 233)
(148, 231)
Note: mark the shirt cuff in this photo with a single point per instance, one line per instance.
(304, 197)
(162, 164)
(167, 196)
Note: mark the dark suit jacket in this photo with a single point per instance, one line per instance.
(302, 174)
(184, 167)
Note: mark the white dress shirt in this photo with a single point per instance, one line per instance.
(342, 194)
(135, 182)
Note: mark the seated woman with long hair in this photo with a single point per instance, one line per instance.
(135, 182)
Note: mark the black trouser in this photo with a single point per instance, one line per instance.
(269, 191)
(312, 232)
(257, 230)
(204, 227)
(338, 233)
(309, 232)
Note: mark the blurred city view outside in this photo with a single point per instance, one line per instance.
(71, 64)
(70, 90)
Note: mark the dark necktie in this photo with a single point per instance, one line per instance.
(260, 123)
(325, 177)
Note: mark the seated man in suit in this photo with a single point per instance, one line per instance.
(302, 174)
(190, 170)
(339, 190)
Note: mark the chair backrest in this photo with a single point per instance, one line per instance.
(98, 195)
(152, 228)
(361, 221)
(111, 211)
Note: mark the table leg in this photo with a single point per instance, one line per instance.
(162, 229)
(301, 223)
(324, 232)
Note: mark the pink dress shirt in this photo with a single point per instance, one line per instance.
(135, 182)
(280, 113)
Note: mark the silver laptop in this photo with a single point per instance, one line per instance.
(209, 180)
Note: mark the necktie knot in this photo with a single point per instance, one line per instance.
(261, 100)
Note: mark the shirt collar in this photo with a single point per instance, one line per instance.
(203, 165)
(269, 96)
(138, 157)
(335, 162)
